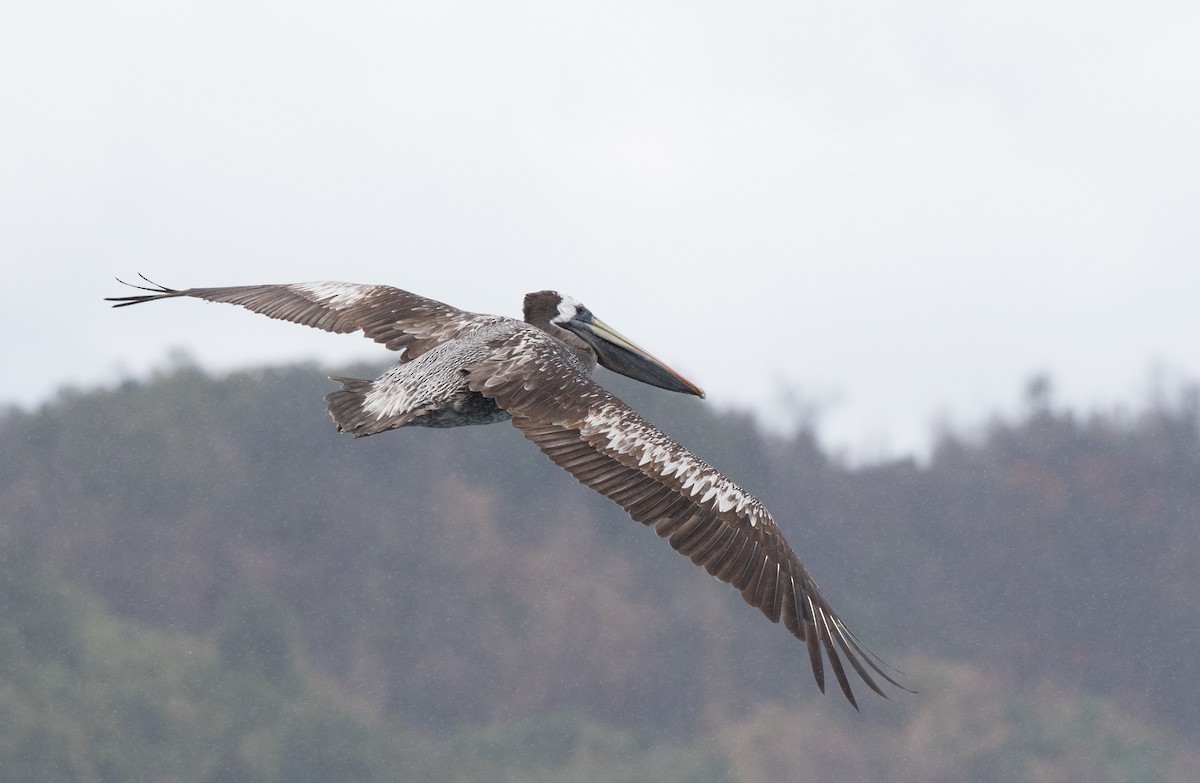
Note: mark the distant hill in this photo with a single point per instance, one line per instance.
(422, 582)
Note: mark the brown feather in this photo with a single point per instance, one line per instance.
(400, 320)
(540, 374)
(738, 542)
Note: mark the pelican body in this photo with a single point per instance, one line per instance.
(458, 368)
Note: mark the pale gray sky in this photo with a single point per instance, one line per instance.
(900, 209)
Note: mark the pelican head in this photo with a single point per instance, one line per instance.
(550, 309)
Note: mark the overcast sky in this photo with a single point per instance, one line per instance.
(897, 210)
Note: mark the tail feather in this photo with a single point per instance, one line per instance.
(346, 408)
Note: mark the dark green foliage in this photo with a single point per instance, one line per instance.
(200, 580)
(564, 748)
(131, 704)
(254, 638)
(39, 620)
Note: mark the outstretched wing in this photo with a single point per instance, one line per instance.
(607, 446)
(400, 320)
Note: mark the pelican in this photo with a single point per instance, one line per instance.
(459, 368)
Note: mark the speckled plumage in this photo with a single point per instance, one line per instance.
(459, 368)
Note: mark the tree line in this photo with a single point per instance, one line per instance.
(388, 591)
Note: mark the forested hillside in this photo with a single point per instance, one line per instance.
(201, 581)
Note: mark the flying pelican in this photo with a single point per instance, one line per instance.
(458, 368)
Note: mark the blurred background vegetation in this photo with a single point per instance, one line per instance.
(201, 581)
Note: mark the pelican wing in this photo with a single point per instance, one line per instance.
(703, 515)
(400, 320)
